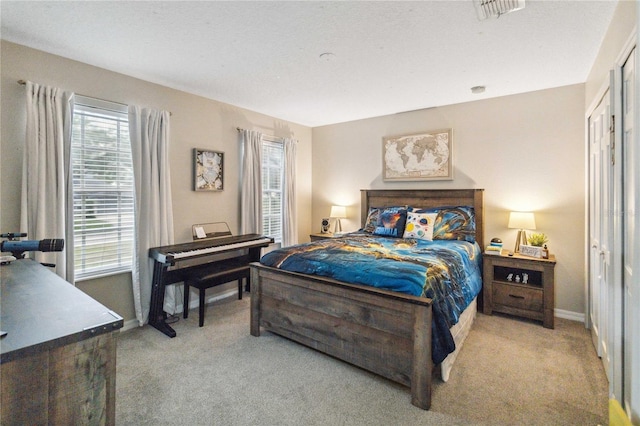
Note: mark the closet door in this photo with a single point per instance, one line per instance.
(629, 172)
(600, 225)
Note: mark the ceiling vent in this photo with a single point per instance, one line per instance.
(495, 8)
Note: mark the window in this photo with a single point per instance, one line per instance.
(103, 188)
(272, 178)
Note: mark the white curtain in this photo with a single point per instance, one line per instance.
(47, 197)
(149, 133)
(289, 216)
(251, 192)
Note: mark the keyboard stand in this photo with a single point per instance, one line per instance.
(157, 316)
(216, 260)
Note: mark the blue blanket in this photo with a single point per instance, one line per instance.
(446, 271)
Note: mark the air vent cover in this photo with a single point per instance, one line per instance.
(494, 8)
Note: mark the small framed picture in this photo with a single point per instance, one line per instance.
(208, 170)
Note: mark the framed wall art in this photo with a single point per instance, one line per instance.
(421, 156)
(208, 170)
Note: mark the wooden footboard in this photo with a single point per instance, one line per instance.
(384, 332)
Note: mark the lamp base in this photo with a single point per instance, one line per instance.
(337, 227)
(521, 240)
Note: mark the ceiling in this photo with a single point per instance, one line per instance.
(317, 62)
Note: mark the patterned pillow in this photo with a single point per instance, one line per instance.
(391, 222)
(373, 215)
(372, 219)
(453, 223)
(420, 225)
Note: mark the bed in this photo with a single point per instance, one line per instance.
(384, 331)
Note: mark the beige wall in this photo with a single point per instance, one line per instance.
(526, 151)
(195, 122)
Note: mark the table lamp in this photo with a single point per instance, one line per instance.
(337, 213)
(521, 221)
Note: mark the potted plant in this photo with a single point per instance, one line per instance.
(540, 240)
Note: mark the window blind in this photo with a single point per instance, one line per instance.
(103, 188)
(272, 179)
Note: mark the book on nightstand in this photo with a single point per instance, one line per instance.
(494, 250)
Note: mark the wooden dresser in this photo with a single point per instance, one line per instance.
(58, 359)
(519, 285)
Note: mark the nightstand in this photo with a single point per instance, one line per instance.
(321, 236)
(519, 285)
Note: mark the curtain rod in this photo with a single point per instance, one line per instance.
(269, 138)
(23, 83)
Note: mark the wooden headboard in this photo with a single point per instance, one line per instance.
(426, 198)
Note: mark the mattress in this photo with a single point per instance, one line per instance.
(460, 331)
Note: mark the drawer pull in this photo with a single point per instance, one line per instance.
(515, 296)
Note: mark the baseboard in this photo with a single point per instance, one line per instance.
(572, 316)
(130, 325)
(193, 304)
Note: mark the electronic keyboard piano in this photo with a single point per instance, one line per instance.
(175, 263)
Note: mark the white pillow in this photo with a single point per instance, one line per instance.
(420, 225)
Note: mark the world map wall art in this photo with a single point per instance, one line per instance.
(421, 156)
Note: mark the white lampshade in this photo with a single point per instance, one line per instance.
(338, 212)
(522, 220)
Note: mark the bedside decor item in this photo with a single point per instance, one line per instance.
(324, 227)
(521, 221)
(337, 213)
(538, 239)
(537, 247)
(493, 250)
(531, 251)
(495, 247)
(208, 170)
(421, 156)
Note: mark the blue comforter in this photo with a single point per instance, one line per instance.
(446, 271)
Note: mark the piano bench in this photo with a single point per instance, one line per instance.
(212, 279)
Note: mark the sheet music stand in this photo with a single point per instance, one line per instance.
(202, 231)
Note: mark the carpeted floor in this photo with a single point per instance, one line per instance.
(510, 372)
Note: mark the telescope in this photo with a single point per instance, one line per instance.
(17, 248)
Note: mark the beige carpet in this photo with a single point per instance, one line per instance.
(510, 372)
